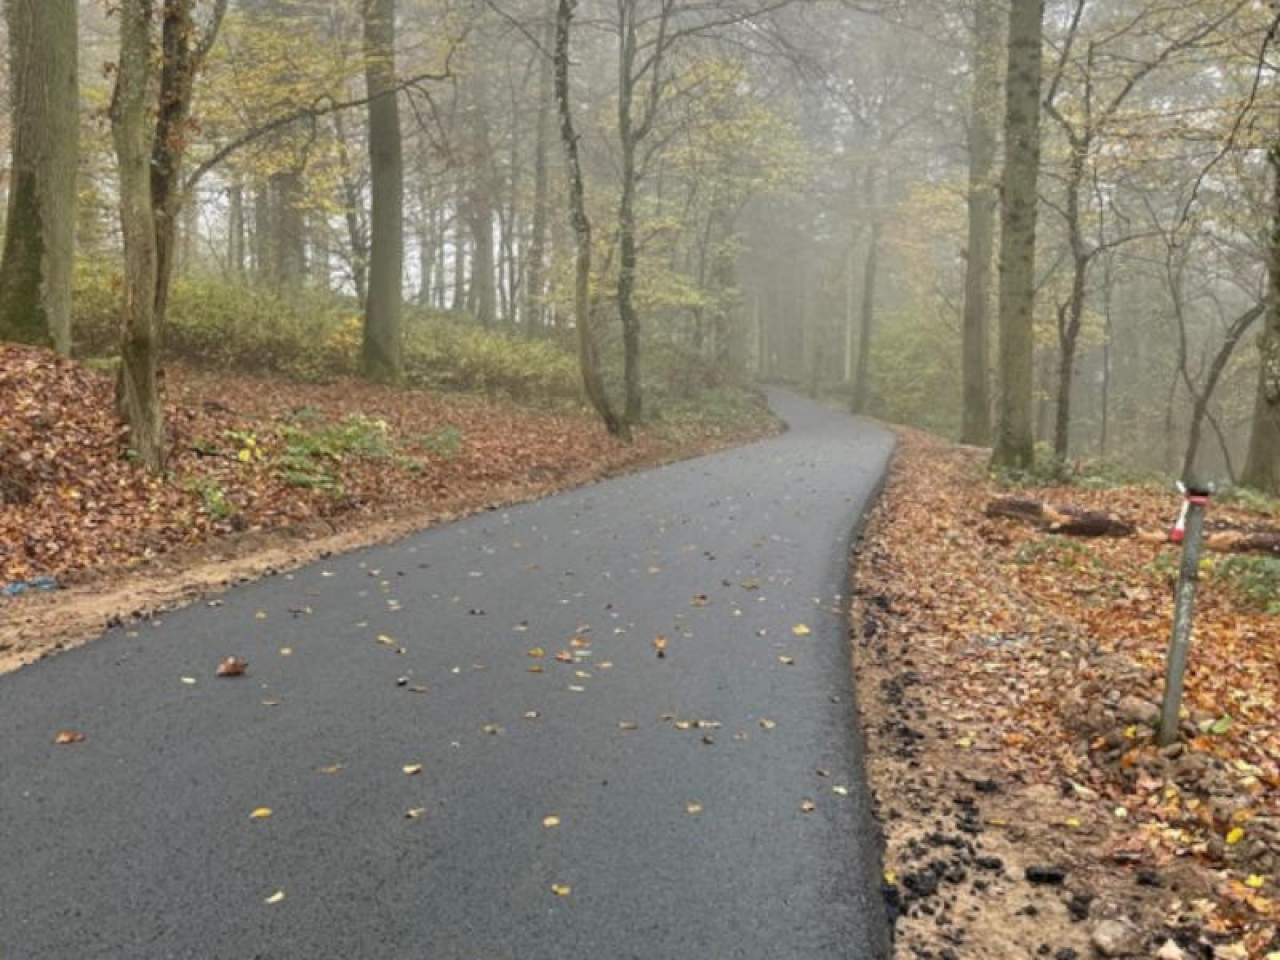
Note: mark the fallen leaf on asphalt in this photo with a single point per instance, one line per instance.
(808, 806)
(276, 897)
(271, 703)
(189, 681)
(68, 736)
(660, 645)
(768, 724)
(385, 640)
(260, 814)
(700, 600)
(626, 725)
(577, 689)
(565, 656)
(822, 773)
(607, 665)
(693, 806)
(800, 630)
(232, 667)
(536, 652)
(561, 889)
(579, 641)
(331, 768)
(582, 674)
(413, 813)
(787, 661)
(260, 615)
(535, 668)
(286, 651)
(492, 729)
(840, 791)
(684, 724)
(551, 821)
(412, 769)
(531, 714)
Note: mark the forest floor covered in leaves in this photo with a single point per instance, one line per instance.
(265, 474)
(1009, 679)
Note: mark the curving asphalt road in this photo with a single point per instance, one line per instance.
(138, 842)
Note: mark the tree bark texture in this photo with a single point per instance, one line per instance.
(588, 363)
(39, 242)
(139, 394)
(1015, 445)
(984, 113)
(381, 356)
(1262, 465)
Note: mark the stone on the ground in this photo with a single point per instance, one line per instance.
(1116, 938)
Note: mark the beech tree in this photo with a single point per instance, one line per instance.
(381, 355)
(39, 237)
(1015, 441)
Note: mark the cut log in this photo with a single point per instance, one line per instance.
(1221, 536)
(1070, 521)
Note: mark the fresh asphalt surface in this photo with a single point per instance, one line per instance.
(138, 842)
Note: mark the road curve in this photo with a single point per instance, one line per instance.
(674, 840)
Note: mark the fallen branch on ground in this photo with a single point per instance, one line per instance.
(1074, 522)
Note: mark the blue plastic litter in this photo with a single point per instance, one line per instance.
(22, 586)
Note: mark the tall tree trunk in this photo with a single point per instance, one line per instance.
(984, 114)
(39, 240)
(139, 395)
(588, 362)
(235, 230)
(381, 350)
(534, 279)
(1262, 465)
(1015, 445)
(866, 329)
(1072, 319)
(288, 229)
(628, 255)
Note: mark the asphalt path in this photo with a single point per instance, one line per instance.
(709, 802)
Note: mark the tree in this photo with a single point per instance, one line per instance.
(39, 240)
(1015, 446)
(1262, 466)
(983, 122)
(381, 355)
(533, 292)
(138, 394)
(588, 362)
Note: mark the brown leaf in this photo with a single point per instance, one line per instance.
(68, 736)
(233, 667)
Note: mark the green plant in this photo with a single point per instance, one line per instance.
(445, 443)
(1255, 580)
(1250, 499)
(213, 497)
(1060, 551)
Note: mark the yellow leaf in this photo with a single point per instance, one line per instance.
(537, 652)
(808, 806)
(965, 743)
(840, 791)
(693, 806)
(332, 768)
(260, 814)
(561, 889)
(244, 455)
(412, 769)
(276, 897)
(768, 724)
(413, 813)
(787, 661)
(1072, 822)
(890, 877)
(800, 630)
(189, 681)
(385, 640)
(286, 651)
(1234, 836)
(1254, 882)
(551, 821)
